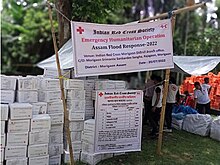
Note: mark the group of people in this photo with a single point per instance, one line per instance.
(153, 95)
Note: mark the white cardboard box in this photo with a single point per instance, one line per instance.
(74, 94)
(18, 126)
(2, 157)
(76, 125)
(57, 128)
(49, 96)
(76, 116)
(120, 84)
(88, 136)
(76, 135)
(56, 138)
(49, 84)
(89, 84)
(18, 161)
(91, 159)
(40, 122)
(41, 137)
(89, 125)
(76, 105)
(27, 83)
(41, 160)
(74, 84)
(55, 160)
(17, 139)
(88, 94)
(37, 150)
(57, 118)
(2, 140)
(12, 152)
(27, 96)
(55, 149)
(20, 111)
(2, 127)
(103, 85)
(39, 108)
(55, 107)
(7, 96)
(4, 112)
(8, 82)
(87, 147)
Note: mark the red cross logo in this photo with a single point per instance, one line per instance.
(80, 30)
(100, 94)
(163, 26)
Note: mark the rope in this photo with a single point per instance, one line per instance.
(170, 13)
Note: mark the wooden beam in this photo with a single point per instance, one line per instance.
(165, 91)
(174, 12)
(66, 119)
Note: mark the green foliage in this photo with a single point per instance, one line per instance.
(25, 32)
(97, 11)
(26, 36)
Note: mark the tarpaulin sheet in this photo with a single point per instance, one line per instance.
(193, 65)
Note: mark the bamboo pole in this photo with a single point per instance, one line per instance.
(165, 91)
(175, 12)
(66, 120)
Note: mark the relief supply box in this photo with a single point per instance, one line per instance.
(40, 122)
(20, 111)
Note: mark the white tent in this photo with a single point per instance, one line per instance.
(193, 65)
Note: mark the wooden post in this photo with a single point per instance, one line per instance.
(165, 91)
(66, 120)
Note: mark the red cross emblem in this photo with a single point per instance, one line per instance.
(163, 26)
(100, 94)
(80, 30)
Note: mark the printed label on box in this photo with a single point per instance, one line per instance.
(55, 107)
(42, 160)
(12, 152)
(17, 139)
(37, 150)
(41, 137)
(20, 111)
(18, 125)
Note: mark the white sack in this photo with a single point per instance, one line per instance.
(198, 124)
(215, 129)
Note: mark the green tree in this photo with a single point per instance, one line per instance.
(25, 35)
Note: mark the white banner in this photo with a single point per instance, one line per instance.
(118, 121)
(111, 49)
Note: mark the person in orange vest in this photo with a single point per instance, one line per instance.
(189, 100)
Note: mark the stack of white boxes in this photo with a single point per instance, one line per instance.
(75, 98)
(17, 133)
(27, 90)
(89, 86)
(88, 141)
(4, 118)
(8, 86)
(49, 93)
